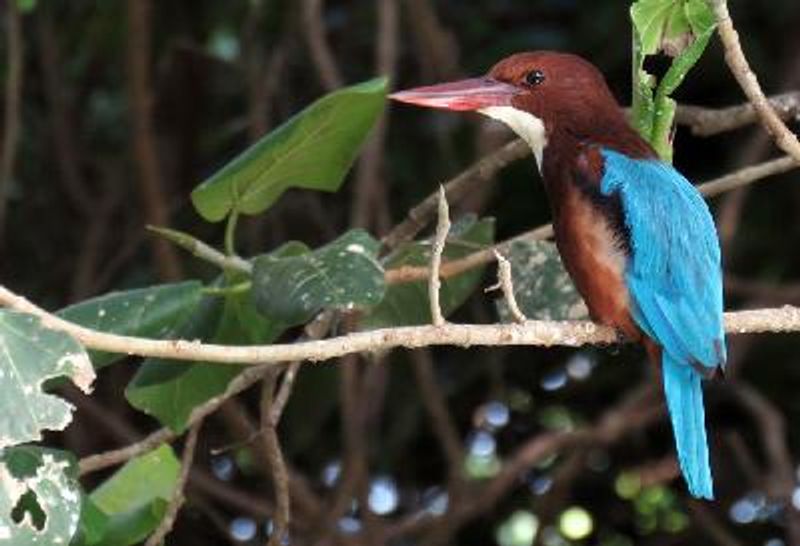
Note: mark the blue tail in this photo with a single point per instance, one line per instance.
(685, 403)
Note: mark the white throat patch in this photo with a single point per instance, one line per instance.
(527, 126)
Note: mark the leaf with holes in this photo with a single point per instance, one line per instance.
(145, 312)
(542, 287)
(408, 303)
(343, 274)
(313, 150)
(30, 354)
(40, 499)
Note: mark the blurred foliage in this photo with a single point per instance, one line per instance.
(222, 74)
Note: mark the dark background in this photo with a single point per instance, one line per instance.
(123, 112)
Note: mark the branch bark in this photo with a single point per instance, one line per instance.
(737, 62)
(707, 122)
(178, 496)
(534, 332)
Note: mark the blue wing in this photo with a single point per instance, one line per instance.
(674, 272)
(675, 282)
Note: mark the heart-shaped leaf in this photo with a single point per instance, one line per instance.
(313, 150)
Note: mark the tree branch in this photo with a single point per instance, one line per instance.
(737, 62)
(706, 122)
(534, 332)
(318, 46)
(178, 496)
(481, 171)
(280, 476)
(151, 186)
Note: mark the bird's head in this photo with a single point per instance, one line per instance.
(534, 93)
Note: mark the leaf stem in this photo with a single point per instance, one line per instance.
(230, 232)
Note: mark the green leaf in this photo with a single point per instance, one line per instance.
(145, 312)
(313, 150)
(94, 524)
(542, 287)
(342, 274)
(656, 22)
(30, 354)
(408, 303)
(26, 6)
(135, 498)
(680, 29)
(170, 390)
(40, 500)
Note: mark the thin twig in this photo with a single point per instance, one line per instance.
(737, 62)
(506, 284)
(456, 188)
(370, 204)
(283, 393)
(748, 175)
(280, 476)
(178, 496)
(12, 109)
(242, 382)
(533, 332)
(439, 242)
(441, 421)
(318, 46)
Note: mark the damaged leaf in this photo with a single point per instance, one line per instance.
(342, 274)
(40, 500)
(31, 354)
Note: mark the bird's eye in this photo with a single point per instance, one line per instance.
(534, 77)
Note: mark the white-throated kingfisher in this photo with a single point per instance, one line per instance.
(635, 236)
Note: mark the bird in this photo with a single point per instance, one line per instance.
(635, 236)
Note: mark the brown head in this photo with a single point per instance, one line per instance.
(541, 95)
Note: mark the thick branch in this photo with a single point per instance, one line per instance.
(151, 185)
(534, 332)
(706, 122)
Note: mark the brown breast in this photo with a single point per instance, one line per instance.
(595, 259)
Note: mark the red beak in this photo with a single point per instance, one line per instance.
(471, 94)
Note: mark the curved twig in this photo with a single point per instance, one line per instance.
(737, 62)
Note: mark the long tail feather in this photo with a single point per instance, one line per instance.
(684, 392)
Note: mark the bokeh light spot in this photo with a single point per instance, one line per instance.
(243, 529)
(383, 496)
(575, 523)
(518, 530)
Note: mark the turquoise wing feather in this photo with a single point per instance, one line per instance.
(675, 282)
